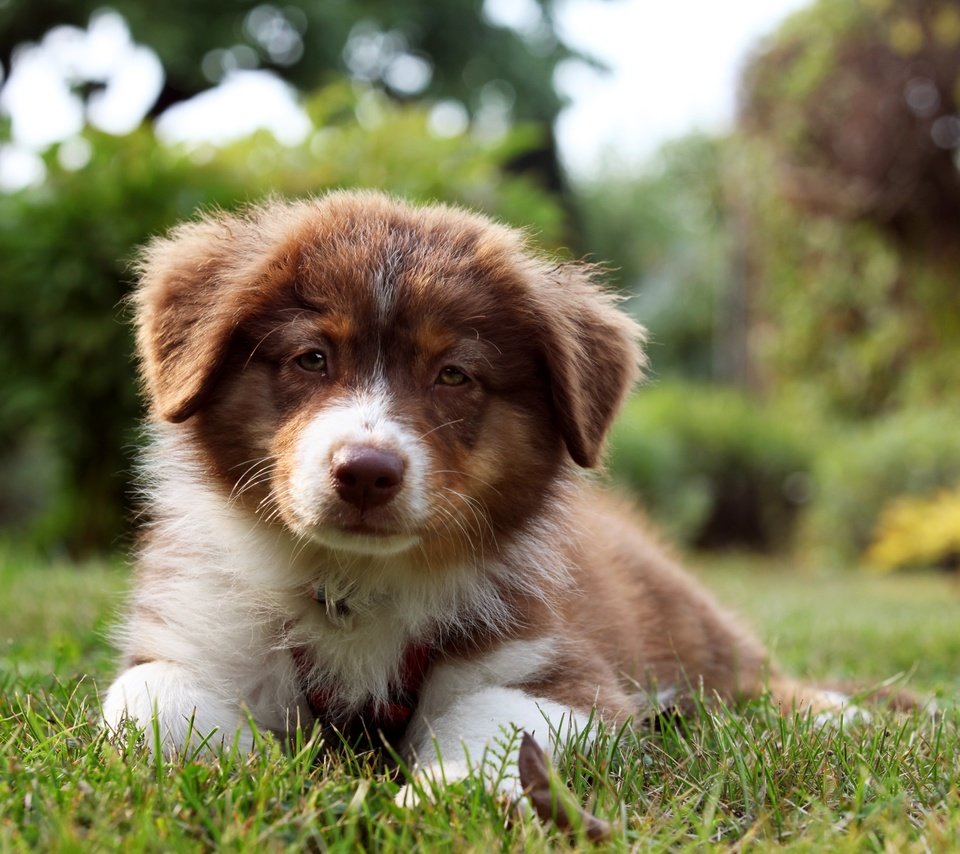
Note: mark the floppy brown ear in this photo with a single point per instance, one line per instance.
(185, 314)
(594, 356)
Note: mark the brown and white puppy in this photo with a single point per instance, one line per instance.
(369, 428)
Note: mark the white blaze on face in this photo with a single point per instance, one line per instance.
(363, 420)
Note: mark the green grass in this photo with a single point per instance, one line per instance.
(745, 780)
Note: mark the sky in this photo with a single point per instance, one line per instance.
(673, 68)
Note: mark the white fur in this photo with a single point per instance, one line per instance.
(363, 419)
(840, 710)
(187, 713)
(384, 287)
(469, 717)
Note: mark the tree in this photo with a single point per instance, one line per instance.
(859, 101)
(306, 42)
(414, 49)
(847, 182)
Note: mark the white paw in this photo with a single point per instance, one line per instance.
(429, 782)
(839, 711)
(173, 713)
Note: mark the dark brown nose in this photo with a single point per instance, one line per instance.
(367, 477)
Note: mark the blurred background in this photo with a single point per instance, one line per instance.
(775, 188)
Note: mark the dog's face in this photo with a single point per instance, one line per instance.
(377, 378)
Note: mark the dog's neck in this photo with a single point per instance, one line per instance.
(337, 608)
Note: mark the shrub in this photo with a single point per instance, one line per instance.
(866, 466)
(713, 467)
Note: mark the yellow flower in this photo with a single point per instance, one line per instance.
(917, 532)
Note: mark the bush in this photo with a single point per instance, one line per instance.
(865, 467)
(711, 466)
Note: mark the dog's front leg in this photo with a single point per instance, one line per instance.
(179, 708)
(173, 709)
(468, 722)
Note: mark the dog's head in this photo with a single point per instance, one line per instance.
(378, 377)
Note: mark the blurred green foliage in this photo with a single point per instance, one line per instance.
(861, 467)
(712, 466)
(452, 54)
(738, 284)
(665, 236)
(69, 408)
(845, 172)
(858, 101)
(457, 51)
(812, 259)
(843, 313)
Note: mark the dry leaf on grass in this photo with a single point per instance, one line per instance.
(554, 802)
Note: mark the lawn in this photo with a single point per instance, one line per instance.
(744, 780)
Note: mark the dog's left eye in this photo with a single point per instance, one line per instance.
(314, 361)
(451, 375)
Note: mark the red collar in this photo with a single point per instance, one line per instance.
(389, 719)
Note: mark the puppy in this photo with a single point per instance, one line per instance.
(369, 425)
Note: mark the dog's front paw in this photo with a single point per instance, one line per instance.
(429, 782)
(835, 709)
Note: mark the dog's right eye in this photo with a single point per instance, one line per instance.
(452, 376)
(313, 361)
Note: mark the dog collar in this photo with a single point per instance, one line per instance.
(389, 719)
